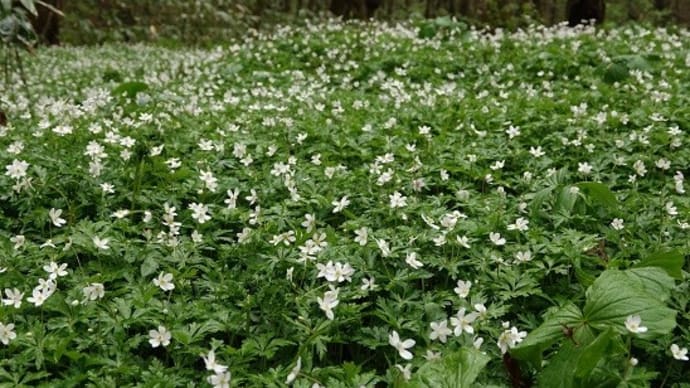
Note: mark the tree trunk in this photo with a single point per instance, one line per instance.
(582, 11)
(47, 23)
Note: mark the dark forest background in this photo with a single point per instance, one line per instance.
(211, 21)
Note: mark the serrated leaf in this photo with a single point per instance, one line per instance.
(670, 261)
(547, 333)
(458, 369)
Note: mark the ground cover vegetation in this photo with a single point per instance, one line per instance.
(350, 204)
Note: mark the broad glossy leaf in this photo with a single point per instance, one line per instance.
(615, 295)
(600, 193)
(458, 369)
(547, 333)
(130, 89)
(592, 353)
(670, 261)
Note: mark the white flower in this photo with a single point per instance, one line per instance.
(584, 168)
(633, 361)
(523, 257)
(294, 372)
(37, 297)
(520, 224)
(480, 309)
(477, 343)
(7, 333)
(639, 168)
(463, 241)
(197, 237)
(220, 380)
(159, 337)
(14, 298)
(54, 270)
(439, 240)
(199, 212)
(440, 330)
(340, 204)
(633, 324)
(663, 164)
(671, 209)
(101, 243)
(231, 201)
(211, 364)
(18, 241)
(463, 288)
(384, 247)
(497, 165)
(510, 337)
(497, 239)
(678, 353)
(401, 346)
(337, 272)
(94, 291)
(54, 215)
(463, 322)
(368, 284)
(120, 214)
(412, 261)
(617, 224)
(397, 200)
(329, 302)
(512, 132)
(164, 281)
(17, 170)
(536, 152)
(209, 180)
(362, 236)
(309, 222)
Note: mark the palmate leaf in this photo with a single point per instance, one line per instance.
(458, 369)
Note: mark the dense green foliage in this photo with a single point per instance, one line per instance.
(209, 21)
(350, 204)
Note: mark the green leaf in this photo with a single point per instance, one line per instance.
(130, 89)
(566, 200)
(149, 266)
(670, 261)
(592, 353)
(599, 193)
(615, 72)
(615, 295)
(559, 371)
(458, 369)
(547, 333)
(30, 6)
